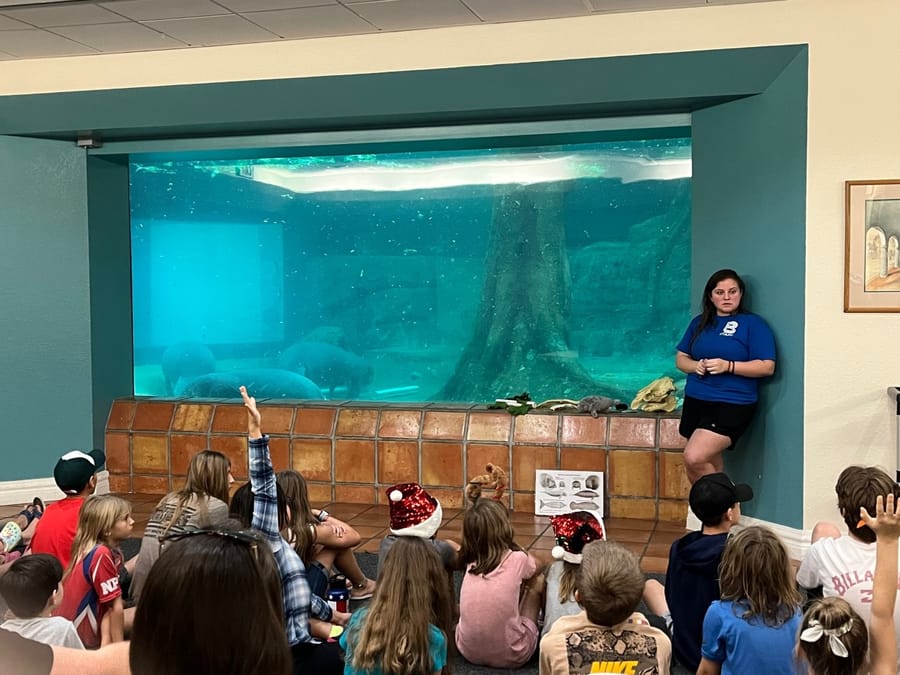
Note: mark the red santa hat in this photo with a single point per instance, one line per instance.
(573, 531)
(414, 512)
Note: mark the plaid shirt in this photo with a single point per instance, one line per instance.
(298, 601)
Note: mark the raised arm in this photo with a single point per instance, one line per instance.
(883, 645)
(262, 475)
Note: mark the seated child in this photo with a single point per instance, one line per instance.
(608, 636)
(32, 589)
(415, 513)
(19, 530)
(692, 580)
(573, 532)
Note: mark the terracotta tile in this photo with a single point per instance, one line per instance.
(120, 415)
(178, 482)
(118, 453)
(544, 543)
(657, 550)
(479, 455)
(235, 449)
(356, 422)
(543, 557)
(634, 547)
(673, 511)
(665, 537)
(673, 481)
(345, 510)
(632, 473)
(371, 519)
(184, 447)
(527, 458)
(192, 417)
(449, 499)
(489, 426)
(280, 452)
(584, 430)
(398, 462)
(620, 522)
(668, 434)
(354, 462)
(119, 484)
(654, 565)
(314, 421)
(318, 493)
(448, 425)
(355, 493)
(632, 508)
(536, 527)
(312, 458)
(277, 419)
(442, 464)
(155, 485)
(632, 432)
(150, 454)
(230, 419)
(583, 459)
(527, 517)
(633, 536)
(152, 416)
(524, 540)
(400, 423)
(536, 428)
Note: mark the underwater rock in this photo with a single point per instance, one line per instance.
(328, 365)
(262, 382)
(185, 361)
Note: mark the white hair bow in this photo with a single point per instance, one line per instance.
(815, 631)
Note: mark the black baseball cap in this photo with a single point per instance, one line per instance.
(713, 494)
(75, 468)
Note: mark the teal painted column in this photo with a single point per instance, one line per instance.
(45, 305)
(749, 212)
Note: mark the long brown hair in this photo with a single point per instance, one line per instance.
(567, 581)
(832, 613)
(708, 309)
(487, 536)
(413, 591)
(755, 574)
(207, 477)
(302, 522)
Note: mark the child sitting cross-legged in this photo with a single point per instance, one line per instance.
(609, 636)
(32, 589)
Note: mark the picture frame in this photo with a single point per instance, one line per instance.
(872, 246)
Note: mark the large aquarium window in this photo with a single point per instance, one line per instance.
(439, 275)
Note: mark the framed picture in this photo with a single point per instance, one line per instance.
(560, 491)
(872, 246)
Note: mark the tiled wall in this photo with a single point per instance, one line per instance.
(350, 452)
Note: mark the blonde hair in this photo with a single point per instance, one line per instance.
(302, 521)
(756, 573)
(207, 477)
(487, 536)
(97, 516)
(832, 613)
(413, 593)
(609, 582)
(567, 580)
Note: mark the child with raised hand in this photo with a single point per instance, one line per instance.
(753, 628)
(501, 594)
(406, 628)
(32, 589)
(92, 598)
(573, 532)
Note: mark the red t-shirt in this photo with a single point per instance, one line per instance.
(86, 599)
(56, 529)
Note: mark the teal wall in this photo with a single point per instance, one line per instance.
(749, 129)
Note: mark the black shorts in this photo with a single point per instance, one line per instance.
(727, 419)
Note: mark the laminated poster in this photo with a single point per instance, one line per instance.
(559, 491)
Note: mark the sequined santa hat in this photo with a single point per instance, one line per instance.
(414, 512)
(573, 531)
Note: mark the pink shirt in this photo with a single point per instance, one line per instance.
(491, 632)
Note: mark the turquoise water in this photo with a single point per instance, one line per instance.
(563, 271)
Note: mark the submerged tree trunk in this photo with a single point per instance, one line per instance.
(520, 340)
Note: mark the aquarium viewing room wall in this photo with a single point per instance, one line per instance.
(748, 106)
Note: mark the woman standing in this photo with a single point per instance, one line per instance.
(724, 352)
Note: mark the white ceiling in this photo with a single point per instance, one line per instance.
(33, 29)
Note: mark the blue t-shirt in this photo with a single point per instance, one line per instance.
(437, 645)
(745, 646)
(741, 337)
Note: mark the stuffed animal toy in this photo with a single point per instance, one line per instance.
(495, 479)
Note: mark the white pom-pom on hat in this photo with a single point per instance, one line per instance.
(396, 496)
(558, 552)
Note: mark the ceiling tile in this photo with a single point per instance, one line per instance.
(213, 30)
(36, 44)
(311, 22)
(11, 24)
(498, 11)
(263, 5)
(120, 37)
(151, 10)
(64, 15)
(413, 14)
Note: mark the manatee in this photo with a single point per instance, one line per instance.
(328, 365)
(260, 382)
(186, 360)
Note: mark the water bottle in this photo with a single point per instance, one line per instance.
(338, 593)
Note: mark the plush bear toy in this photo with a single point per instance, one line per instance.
(495, 479)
